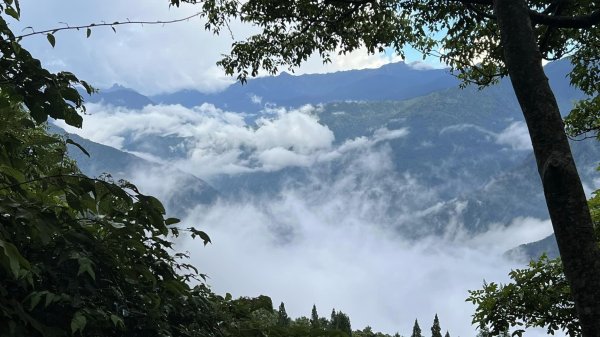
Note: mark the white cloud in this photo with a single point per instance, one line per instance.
(516, 136)
(222, 142)
(463, 127)
(332, 247)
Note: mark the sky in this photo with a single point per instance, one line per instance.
(340, 253)
(151, 58)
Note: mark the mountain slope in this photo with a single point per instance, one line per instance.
(185, 192)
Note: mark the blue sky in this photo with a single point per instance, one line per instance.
(151, 59)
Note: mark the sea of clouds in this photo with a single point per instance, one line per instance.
(331, 240)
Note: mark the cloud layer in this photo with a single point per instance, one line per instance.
(332, 239)
(327, 250)
(221, 142)
(515, 136)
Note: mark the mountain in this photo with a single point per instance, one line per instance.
(187, 192)
(456, 160)
(534, 250)
(395, 81)
(118, 95)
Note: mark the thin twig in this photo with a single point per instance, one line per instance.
(104, 24)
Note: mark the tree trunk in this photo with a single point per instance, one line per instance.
(564, 194)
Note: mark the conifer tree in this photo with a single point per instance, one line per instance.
(436, 331)
(282, 316)
(343, 322)
(416, 330)
(447, 334)
(314, 318)
(333, 321)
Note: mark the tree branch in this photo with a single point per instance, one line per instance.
(476, 2)
(104, 24)
(479, 11)
(581, 21)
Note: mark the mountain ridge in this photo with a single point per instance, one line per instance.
(460, 142)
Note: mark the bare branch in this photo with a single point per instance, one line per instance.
(104, 24)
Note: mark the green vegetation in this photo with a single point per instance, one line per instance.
(416, 330)
(537, 296)
(436, 330)
(80, 255)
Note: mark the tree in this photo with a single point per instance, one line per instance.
(340, 321)
(333, 320)
(538, 296)
(436, 331)
(416, 332)
(79, 255)
(447, 334)
(314, 318)
(82, 253)
(282, 317)
(483, 41)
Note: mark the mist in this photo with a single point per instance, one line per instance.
(340, 237)
(335, 248)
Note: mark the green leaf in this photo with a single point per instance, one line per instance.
(50, 297)
(72, 142)
(15, 260)
(34, 299)
(51, 39)
(201, 234)
(78, 322)
(16, 47)
(85, 266)
(12, 12)
(117, 321)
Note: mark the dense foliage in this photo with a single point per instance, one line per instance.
(79, 255)
(537, 296)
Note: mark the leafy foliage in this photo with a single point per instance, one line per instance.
(84, 254)
(79, 255)
(538, 296)
(282, 317)
(23, 79)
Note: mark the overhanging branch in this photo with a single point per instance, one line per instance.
(105, 24)
(582, 21)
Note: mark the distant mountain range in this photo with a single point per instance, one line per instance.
(463, 143)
